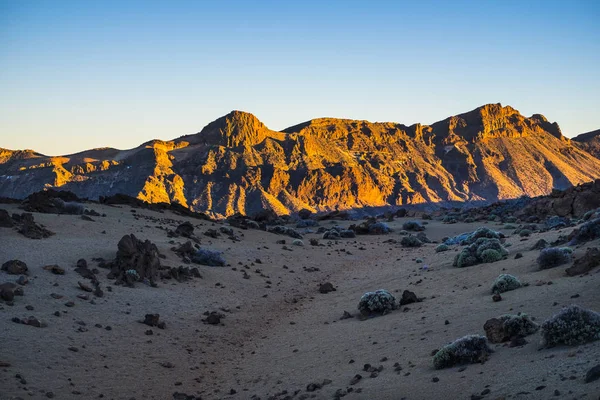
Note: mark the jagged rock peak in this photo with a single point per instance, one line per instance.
(495, 120)
(235, 129)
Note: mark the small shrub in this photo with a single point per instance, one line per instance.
(553, 257)
(573, 325)
(410, 241)
(284, 230)
(423, 237)
(509, 226)
(331, 235)
(426, 217)
(470, 237)
(586, 232)
(441, 247)
(69, 207)
(449, 220)
(306, 223)
(298, 242)
(591, 214)
(208, 257)
(133, 274)
(347, 233)
(413, 226)
(465, 259)
(468, 349)
(525, 233)
(505, 283)
(483, 244)
(474, 253)
(556, 222)
(379, 228)
(490, 256)
(379, 301)
(519, 325)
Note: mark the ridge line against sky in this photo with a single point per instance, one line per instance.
(79, 75)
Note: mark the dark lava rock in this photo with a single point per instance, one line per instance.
(185, 250)
(591, 259)
(346, 315)
(213, 318)
(55, 269)
(408, 297)
(355, 379)
(7, 294)
(326, 288)
(183, 396)
(15, 267)
(51, 202)
(30, 229)
(32, 321)
(186, 229)
(494, 330)
(540, 244)
(304, 213)
(133, 254)
(5, 219)
(593, 374)
(151, 319)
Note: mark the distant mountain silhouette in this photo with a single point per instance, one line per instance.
(236, 164)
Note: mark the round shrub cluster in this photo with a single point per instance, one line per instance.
(556, 222)
(518, 325)
(410, 241)
(525, 233)
(284, 230)
(553, 257)
(449, 220)
(379, 301)
(573, 325)
(490, 256)
(298, 242)
(379, 228)
(478, 253)
(588, 231)
(347, 233)
(470, 237)
(441, 247)
(331, 235)
(208, 257)
(468, 349)
(505, 283)
(413, 226)
(306, 223)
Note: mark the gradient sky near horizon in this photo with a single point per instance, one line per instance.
(81, 74)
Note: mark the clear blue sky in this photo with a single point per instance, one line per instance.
(82, 74)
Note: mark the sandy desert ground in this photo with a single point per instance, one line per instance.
(279, 333)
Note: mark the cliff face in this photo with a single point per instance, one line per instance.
(589, 142)
(236, 164)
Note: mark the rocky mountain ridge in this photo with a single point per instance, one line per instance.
(238, 165)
